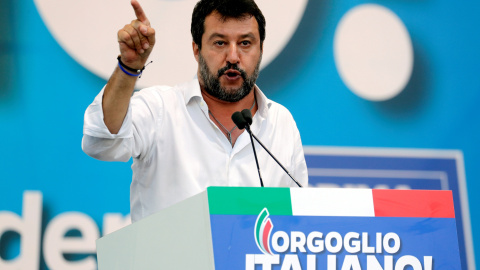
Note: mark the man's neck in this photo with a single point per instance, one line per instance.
(221, 111)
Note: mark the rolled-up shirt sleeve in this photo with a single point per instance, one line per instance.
(133, 139)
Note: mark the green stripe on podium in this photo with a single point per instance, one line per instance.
(249, 200)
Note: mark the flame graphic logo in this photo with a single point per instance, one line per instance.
(263, 230)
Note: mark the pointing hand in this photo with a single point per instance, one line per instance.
(136, 40)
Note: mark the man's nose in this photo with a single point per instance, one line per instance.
(233, 56)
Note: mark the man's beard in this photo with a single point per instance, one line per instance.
(212, 82)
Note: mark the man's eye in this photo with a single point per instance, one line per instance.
(245, 43)
(220, 43)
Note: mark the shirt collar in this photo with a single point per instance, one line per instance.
(192, 90)
(263, 102)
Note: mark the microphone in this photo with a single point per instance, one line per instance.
(239, 120)
(247, 115)
(241, 123)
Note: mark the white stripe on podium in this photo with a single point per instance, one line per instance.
(332, 202)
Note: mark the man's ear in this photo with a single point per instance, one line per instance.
(196, 50)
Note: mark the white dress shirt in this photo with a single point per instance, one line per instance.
(178, 151)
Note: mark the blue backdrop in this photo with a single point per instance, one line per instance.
(44, 93)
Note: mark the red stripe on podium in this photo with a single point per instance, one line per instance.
(413, 203)
(266, 233)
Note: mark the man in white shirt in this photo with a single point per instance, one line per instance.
(182, 139)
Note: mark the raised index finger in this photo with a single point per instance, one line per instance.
(139, 12)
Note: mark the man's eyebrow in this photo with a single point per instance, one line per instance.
(249, 35)
(218, 35)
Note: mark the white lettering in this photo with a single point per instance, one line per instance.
(379, 242)
(297, 242)
(261, 259)
(427, 262)
(275, 239)
(56, 244)
(250, 262)
(396, 243)
(373, 264)
(334, 242)
(315, 242)
(351, 262)
(331, 262)
(408, 260)
(291, 262)
(365, 247)
(29, 230)
(329, 242)
(311, 262)
(354, 247)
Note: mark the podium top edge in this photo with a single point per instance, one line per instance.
(330, 202)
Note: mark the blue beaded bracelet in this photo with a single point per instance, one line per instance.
(128, 73)
(128, 70)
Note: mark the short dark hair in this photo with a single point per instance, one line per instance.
(237, 9)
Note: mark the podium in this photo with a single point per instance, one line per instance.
(291, 228)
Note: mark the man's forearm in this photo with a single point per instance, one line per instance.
(116, 99)
(136, 41)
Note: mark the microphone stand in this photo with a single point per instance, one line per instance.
(278, 162)
(247, 127)
(241, 123)
(243, 120)
(247, 117)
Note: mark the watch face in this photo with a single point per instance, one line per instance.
(87, 31)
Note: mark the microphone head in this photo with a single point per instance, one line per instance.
(239, 120)
(247, 115)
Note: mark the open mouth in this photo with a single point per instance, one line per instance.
(232, 74)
